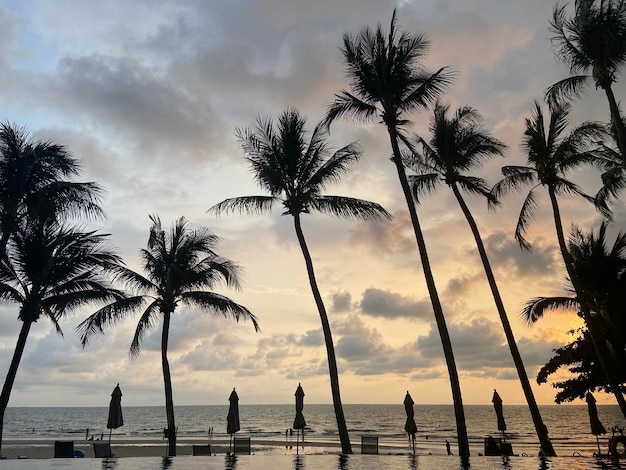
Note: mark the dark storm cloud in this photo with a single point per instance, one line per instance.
(387, 304)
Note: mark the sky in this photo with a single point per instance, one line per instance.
(147, 95)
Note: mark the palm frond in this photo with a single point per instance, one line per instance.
(526, 215)
(423, 184)
(108, 315)
(347, 207)
(245, 204)
(566, 89)
(148, 320)
(348, 105)
(537, 307)
(217, 304)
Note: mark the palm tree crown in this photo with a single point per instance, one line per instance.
(387, 77)
(593, 40)
(457, 146)
(551, 156)
(35, 180)
(180, 267)
(295, 172)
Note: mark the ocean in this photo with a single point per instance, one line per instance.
(568, 425)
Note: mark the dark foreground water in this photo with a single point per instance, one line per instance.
(315, 462)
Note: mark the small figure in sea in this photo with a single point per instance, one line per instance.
(101, 435)
(448, 447)
(87, 434)
(291, 432)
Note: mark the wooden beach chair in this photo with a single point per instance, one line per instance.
(369, 444)
(63, 449)
(102, 450)
(241, 445)
(201, 449)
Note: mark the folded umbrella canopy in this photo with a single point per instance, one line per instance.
(497, 404)
(410, 427)
(116, 419)
(232, 420)
(299, 422)
(596, 426)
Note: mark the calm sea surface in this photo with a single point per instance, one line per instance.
(568, 425)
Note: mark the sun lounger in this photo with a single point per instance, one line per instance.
(102, 450)
(63, 449)
(201, 450)
(241, 445)
(369, 444)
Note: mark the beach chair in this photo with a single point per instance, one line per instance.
(369, 444)
(241, 445)
(201, 449)
(102, 450)
(63, 449)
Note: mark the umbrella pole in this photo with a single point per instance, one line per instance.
(230, 443)
(413, 439)
(110, 432)
(598, 442)
(297, 440)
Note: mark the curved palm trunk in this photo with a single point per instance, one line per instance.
(440, 319)
(596, 337)
(618, 123)
(12, 373)
(346, 448)
(540, 427)
(167, 379)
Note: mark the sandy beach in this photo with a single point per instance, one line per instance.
(44, 449)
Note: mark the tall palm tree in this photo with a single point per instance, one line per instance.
(551, 156)
(389, 82)
(593, 40)
(51, 270)
(295, 172)
(181, 267)
(601, 276)
(35, 181)
(458, 145)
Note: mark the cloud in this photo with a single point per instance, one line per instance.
(387, 304)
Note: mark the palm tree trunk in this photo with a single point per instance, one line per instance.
(440, 319)
(596, 338)
(346, 448)
(12, 373)
(167, 379)
(540, 427)
(618, 123)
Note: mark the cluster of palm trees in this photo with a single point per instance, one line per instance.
(49, 267)
(388, 83)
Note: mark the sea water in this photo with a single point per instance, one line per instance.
(568, 425)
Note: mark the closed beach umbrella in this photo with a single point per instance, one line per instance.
(410, 427)
(116, 419)
(232, 420)
(596, 425)
(497, 404)
(299, 422)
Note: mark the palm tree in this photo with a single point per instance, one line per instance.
(457, 146)
(601, 277)
(295, 173)
(388, 82)
(34, 181)
(181, 266)
(550, 158)
(51, 270)
(593, 40)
